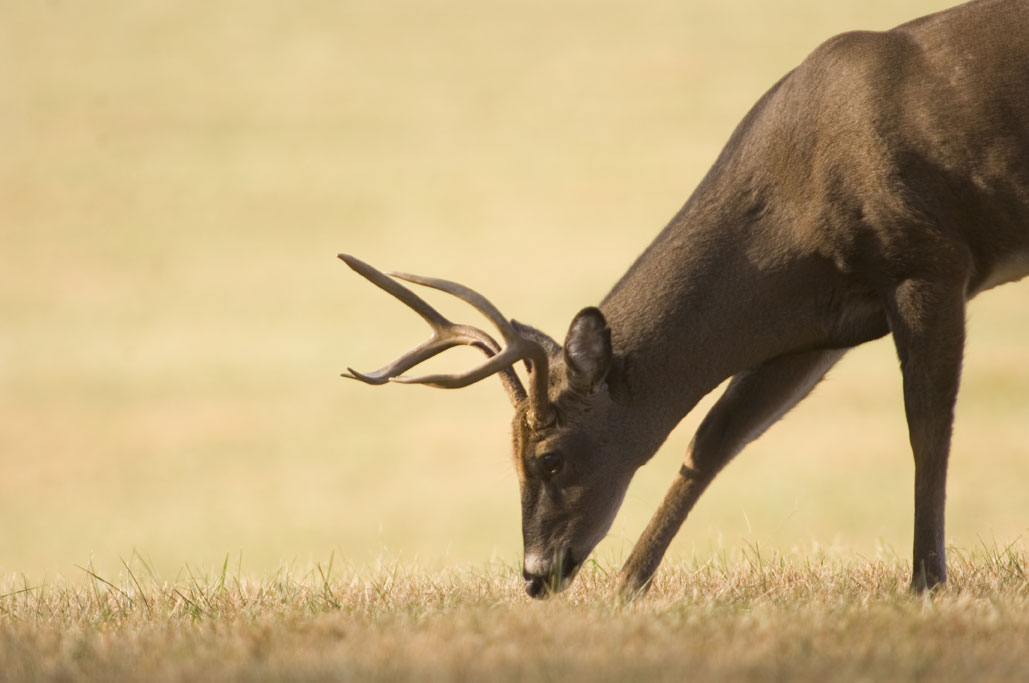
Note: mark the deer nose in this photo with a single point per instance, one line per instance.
(536, 573)
(542, 579)
(535, 586)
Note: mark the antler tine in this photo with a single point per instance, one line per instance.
(445, 335)
(418, 354)
(504, 360)
(478, 301)
(412, 300)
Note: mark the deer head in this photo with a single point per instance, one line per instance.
(568, 431)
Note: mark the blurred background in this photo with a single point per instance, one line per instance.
(176, 179)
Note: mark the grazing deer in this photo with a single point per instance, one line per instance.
(875, 189)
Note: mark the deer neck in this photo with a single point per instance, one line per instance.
(709, 298)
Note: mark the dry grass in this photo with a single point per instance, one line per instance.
(753, 618)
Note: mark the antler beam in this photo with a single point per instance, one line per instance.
(447, 334)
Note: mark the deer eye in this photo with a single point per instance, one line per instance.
(552, 464)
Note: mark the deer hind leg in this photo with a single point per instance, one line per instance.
(927, 318)
(753, 401)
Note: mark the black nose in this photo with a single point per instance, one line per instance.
(535, 586)
(542, 586)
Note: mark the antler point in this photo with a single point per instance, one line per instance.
(351, 261)
(361, 377)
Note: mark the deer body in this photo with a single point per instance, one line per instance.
(875, 189)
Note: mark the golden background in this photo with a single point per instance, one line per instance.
(176, 179)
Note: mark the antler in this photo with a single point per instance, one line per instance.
(446, 335)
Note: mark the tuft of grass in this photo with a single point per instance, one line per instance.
(754, 617)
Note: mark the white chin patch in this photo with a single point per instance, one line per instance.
(535, 565)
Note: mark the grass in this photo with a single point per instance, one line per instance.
(755, 617)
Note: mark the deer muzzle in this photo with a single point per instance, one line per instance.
(547, 576)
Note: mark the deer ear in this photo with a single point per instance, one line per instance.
(588, 349)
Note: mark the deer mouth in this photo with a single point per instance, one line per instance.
(540, 586)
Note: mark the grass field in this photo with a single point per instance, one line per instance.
(175, 182)
(811, 618)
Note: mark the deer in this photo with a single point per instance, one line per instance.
(874, 190)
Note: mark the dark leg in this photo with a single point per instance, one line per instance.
(928, 323)
(753, 401)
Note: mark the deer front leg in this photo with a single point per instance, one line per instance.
(753, 401)
(927, 319)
